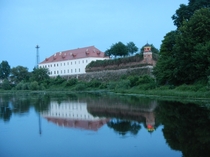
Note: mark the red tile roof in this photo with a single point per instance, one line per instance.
(85, 52)
(80, 124)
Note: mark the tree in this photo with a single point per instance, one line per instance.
(186, 11)
(131, 47)
(39, 74)
(193, 48)
(4, 70)
(19, 74)
(118, 49)
(185, 53)
(164, 69)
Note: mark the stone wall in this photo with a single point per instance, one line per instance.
(107, 75)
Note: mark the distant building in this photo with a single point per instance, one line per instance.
(148, 55)
(72, 62)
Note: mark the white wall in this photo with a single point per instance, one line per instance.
(70, 67)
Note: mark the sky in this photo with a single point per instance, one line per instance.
(59, 25)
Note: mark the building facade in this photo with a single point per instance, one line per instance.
(71, 62)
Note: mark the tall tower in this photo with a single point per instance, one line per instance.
(147, 53)
(37, 56)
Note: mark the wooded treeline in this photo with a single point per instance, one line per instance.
(185, 52)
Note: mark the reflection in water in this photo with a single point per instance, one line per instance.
(74, 115)
(126, 116)
(186, 127)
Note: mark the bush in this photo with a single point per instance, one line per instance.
(34, 85)
(111, 85)
(133, 80)
(94, 83)
(6, 85)
(79, 87)
(71, 82)
(145, 79)
(124, 84)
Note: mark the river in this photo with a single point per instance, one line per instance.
(102, 125)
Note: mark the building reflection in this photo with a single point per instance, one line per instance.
(73, 115)
(142, 113)
(87, 115)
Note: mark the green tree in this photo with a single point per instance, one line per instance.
(192, 50)
(131, 47)
(39, 75)
(6, 85)
(19, 74)
(118, 49)
(4, 70)
(186, 11)
(185, 53)
(164, 69)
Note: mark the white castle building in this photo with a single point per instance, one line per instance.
(71, 62)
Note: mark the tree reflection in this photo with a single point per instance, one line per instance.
(186, 127)
(19, 104)
(124, 126)
(5, 110)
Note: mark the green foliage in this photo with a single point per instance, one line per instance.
(39, 75)
(4, 70)
(6, 85)
(34, 85)
(164, 69)
(185, 53)
(133, 80)
(80, 87)
(57, 81)
(19, 74)
(185, 12)
(123, 84)
(118, 49)
(71, 82)
(94, 83)
(146, 79)
(131, 48)
(208, 84)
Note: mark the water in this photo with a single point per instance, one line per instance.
(101, 125)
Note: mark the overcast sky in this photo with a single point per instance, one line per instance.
(58, 25)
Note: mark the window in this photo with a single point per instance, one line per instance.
(75, 70)
(71, 70)
(79, 70)
(57, 72)
(57, 65)
(75, 62)
(68, 70)
(54, 65)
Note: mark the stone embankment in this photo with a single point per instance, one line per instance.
(107, 75)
